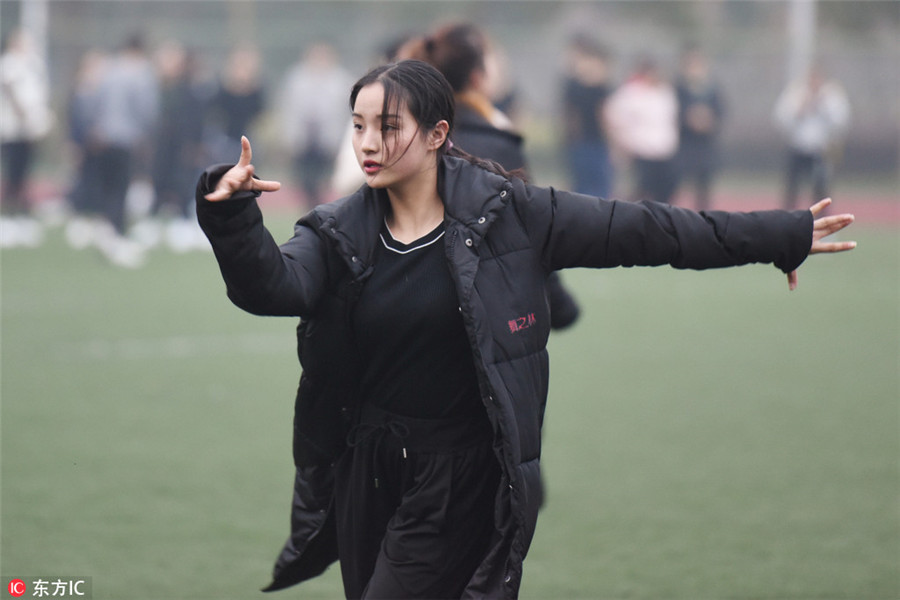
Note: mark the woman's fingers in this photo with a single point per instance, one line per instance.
(233, 180)
(829, 225)
(825, 226)
(822, 247)
(263, 185)
(792, 280)
(819, 206)
(240, 177)
(220, 193)
(247, 153)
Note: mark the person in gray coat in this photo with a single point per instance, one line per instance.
(424, 336)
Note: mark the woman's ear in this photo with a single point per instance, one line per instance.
(438, 135)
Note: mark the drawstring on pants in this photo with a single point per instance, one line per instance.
(363, 432)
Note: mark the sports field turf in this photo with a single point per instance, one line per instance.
(709, 435)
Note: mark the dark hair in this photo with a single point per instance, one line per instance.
(134, 42)
(456, 49)
(428, 96)
(587, 45)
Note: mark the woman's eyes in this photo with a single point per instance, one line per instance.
(385, 126)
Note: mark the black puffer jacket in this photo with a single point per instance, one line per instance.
(477, 136)
(502, 239)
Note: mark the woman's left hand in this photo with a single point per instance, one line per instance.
(823, 227)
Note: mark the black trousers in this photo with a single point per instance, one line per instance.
(313, 167)
(86, 193)
(812, 167)
(656, 179)
(414, 505)
(113, 166)
(17, 157)
(696, 163)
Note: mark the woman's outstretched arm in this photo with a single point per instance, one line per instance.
(261, 277)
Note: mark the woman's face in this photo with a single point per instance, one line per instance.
(391, 149)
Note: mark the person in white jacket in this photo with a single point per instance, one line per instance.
(642, 122)
(813, 114)
(25, 119)
(314, 116)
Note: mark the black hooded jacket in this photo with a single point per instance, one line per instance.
(503, 237)
(477, 136)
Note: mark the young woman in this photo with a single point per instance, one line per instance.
(423, 340)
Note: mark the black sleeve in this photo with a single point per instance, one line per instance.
(261, 277)
(582, 231)
(564, 309)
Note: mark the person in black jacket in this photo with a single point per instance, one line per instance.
(701, 111)
(460, 51)
(425, 325)
(585, 88)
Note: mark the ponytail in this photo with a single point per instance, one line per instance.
(450, 149)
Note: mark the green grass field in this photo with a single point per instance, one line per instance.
(708, 436)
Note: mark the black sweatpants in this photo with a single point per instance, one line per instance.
(17, 158)
(656, 179)
(414, 505)
(113, 178)
(802, 166)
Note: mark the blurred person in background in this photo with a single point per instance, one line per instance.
(123, 120)
(460, 51)
(25, 119)
(84, 194)
(178, 154)
(417, 428)
(813, 114)
(641, 117)
(701, 109)
(586, 87)
(238, 101)
(500, 86)
(314, 119)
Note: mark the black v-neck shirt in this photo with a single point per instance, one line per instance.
(416, 356)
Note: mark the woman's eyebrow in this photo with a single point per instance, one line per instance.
(387, 116)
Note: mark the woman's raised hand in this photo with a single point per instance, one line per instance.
(822, 227)
(240, 178)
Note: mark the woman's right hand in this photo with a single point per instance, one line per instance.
(240, 178)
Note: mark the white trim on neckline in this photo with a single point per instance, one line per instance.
(408, 250)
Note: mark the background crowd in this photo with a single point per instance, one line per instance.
(143, 119)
